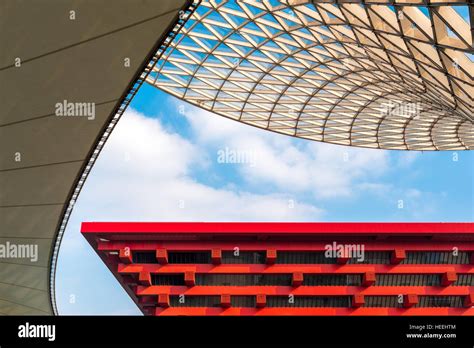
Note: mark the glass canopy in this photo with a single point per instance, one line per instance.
(378, 74)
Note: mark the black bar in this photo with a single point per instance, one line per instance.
(290, 331)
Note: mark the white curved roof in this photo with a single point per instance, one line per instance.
(375, 73)
(43, 155)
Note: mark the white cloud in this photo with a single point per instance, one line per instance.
(407, 158)
(290, 165)
(376, 188)
(144, 173)
(141, 146)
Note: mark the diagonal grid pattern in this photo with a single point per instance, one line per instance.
(377, 74)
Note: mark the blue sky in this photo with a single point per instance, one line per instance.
(161, 163)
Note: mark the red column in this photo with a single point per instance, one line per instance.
(216, 256)
(358, 300)
(261, 301)
(162, 256)
(368, 279)
(144, 278)
(342, 260)
(125, 256)
(448, 278)
(398, 256)
(164, 300)
(190, 278)
(297, 279)
(271, 256)
(469, 300)
(225, 301)
(410, 300)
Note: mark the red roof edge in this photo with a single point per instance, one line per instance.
(280, 227)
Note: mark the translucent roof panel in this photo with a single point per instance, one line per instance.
(378, 74)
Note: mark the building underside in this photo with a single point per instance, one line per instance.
(377, 74)
(47, 58)
(291, 268)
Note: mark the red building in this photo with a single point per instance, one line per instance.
(291, 268)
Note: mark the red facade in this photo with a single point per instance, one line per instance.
(291, 268)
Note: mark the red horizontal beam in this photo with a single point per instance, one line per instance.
(279, 246)
(430, 228)
(305, 290)
(288, 268)
(362, 311)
